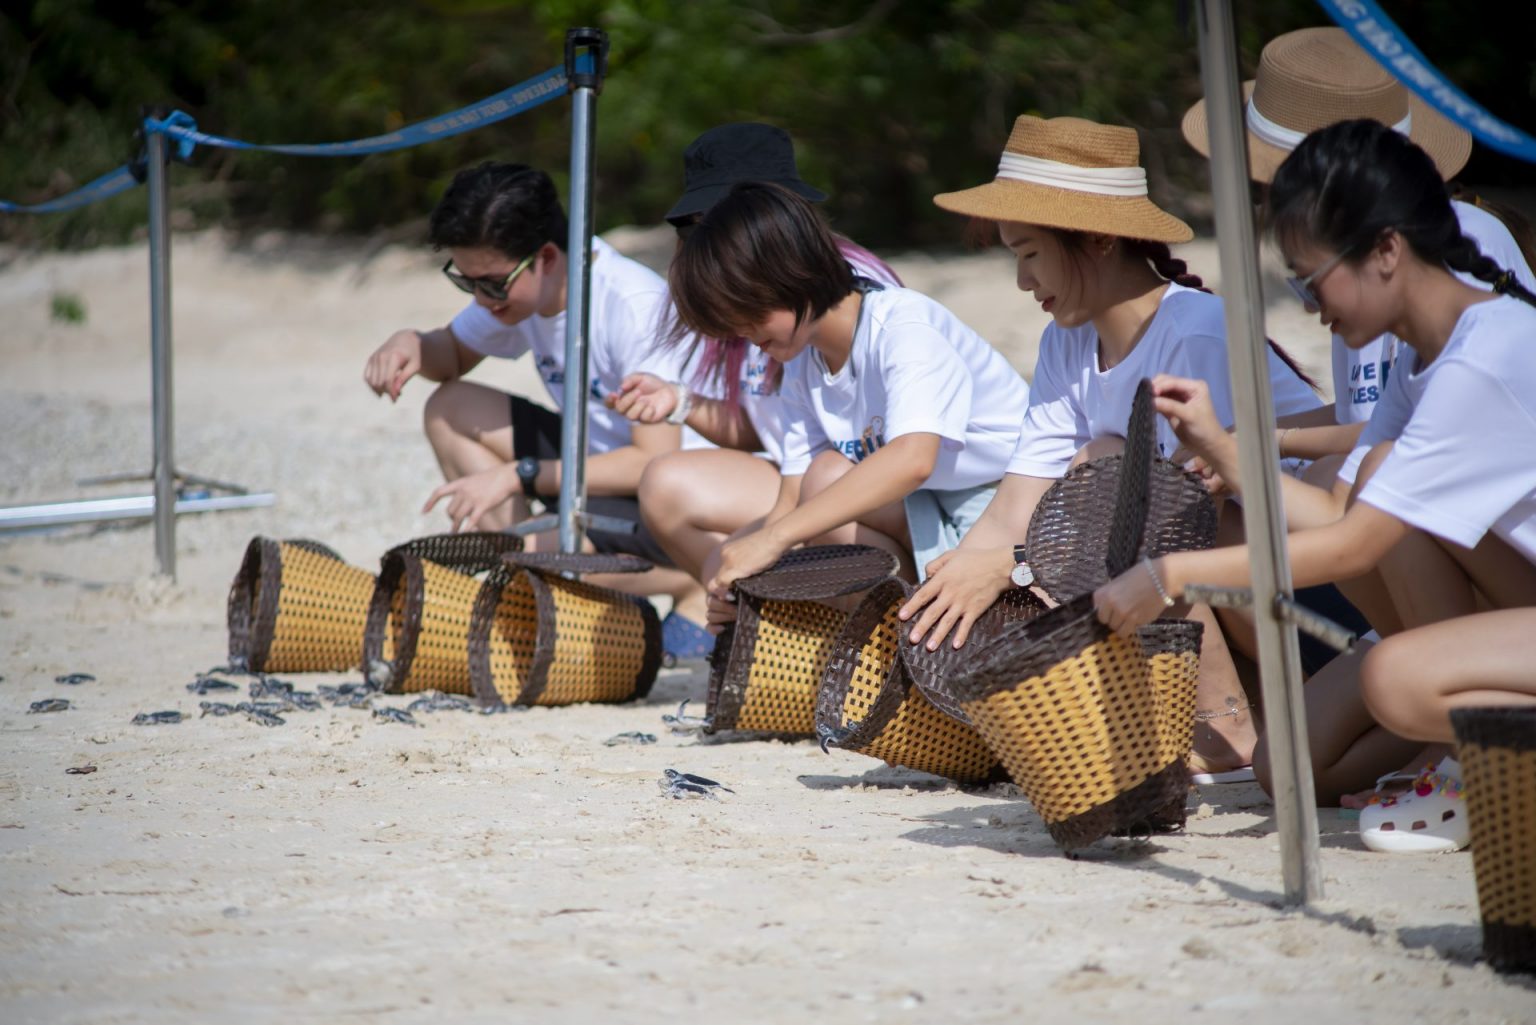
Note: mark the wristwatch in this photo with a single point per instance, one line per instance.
(528, 476)
(1021, 574)
(684, 405)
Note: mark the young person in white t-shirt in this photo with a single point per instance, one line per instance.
(505, 230)
(899, 418)
(692, 500)
(1070, 202)
(1444, 503)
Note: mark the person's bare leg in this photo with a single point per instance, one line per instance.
(885, 527)
(692, 500)
(470, 429)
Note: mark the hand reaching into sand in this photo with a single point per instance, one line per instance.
(394, 363)
(644, 398)
(471, 497)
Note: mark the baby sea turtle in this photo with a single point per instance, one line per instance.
(50, 705)
(304, 701)
(260, 716)
(833, 736)
(270, 687)
(207, 684)
(436, 701)
(80, 770)
(158, 718)
(73, 679)
(682, 722)
(398, 715)
(686, 784)
(216, 708)
(631, 737)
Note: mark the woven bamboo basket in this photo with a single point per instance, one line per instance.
(538, 636)
(1497, 751)
(1093, 727)
(422, 603)
(767, 666)
(930, 670)
(868, 703)
(295, 606)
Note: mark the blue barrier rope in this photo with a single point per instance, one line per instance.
(182, 129)
(1384, 41)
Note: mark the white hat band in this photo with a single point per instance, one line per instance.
(1288, 138)
(1103, 181)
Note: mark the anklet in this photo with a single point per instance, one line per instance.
(1203, 716)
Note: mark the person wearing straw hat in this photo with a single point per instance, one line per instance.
(692, 500)
(1070, 201)
(899, 418)
(1444, 475)
(505, 232)
(1306, 80)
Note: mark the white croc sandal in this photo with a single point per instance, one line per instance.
(1430, 818)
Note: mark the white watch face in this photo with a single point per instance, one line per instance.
(1022, 575)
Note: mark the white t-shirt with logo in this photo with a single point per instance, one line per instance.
(759, 392)
(914, 369)
(1360, 375)
(1464, 431)
(1072, 401)
(628, 300)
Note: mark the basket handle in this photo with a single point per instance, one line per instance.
(1129, 522)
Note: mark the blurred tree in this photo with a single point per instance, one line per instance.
(889, 101)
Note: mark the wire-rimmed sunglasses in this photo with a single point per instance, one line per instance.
(494, 289)
(1305, 288)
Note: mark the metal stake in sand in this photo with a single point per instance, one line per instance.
(160, 351)
(585, 85)
(1279, 653)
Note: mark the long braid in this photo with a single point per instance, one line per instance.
(1171, 268)
(1463, 255)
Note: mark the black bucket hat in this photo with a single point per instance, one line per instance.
(729, 154)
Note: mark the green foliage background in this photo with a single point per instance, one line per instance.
(889, 101)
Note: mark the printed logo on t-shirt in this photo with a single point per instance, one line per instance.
(872, 438)
(1366, 380)
(757, 379)
(554, 375)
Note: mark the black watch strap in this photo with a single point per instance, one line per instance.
(528, 476)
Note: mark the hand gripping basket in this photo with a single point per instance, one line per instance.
(538, 636)
(767, 666)
(1094, 728)
(1497, 751)
(422, 604)
(867, 702)
(295, 606)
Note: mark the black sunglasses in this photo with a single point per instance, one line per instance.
(494, 289)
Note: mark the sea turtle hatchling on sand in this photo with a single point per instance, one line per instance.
(685, 784)
(158, 718)
(398, 715)
(682, 722)
(217, 708)
(49, 705)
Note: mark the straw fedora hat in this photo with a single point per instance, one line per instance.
(1314, 77)
(1069, 173)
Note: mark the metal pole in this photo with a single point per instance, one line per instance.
(585, 86)
(1279, 655)
(160, 352)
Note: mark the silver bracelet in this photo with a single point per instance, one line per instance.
(684, 405)
(1168, 602)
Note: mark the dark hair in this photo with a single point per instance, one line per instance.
(1519, 226)
(510, 207)
(1348, 184)
(759, 250)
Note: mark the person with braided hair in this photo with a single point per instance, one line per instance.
(1443, 499)
(1070, 201)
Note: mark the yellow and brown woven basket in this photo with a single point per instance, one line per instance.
(422, 604)
(1497, 751)
(540, 637)
(295, 606)
(767, 666)
(868, 703)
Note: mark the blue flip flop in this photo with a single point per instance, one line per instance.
(682, 639)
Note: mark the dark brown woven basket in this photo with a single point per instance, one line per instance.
(930, 670)
(540, 637)
(1093, 727)
(1069, 531)
(767, 666)
(295, 606)
(1497, 751)
(423, 602)
(867, 702)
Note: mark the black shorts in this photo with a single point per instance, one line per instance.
(536, 432)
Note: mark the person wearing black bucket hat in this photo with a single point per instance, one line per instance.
(728, 154)
(693, 500)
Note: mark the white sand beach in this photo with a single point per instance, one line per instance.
(512, 868)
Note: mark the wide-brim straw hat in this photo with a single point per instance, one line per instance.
(1065, 172)
(1316, 77)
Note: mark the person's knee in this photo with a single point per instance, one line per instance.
(1098, 448)
(664, 488)
(825, 468)
(1386, 676)
(437, 415)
